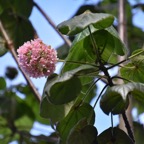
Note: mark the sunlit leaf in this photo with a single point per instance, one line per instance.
(77, 113)
(79, 23)
(119, 137)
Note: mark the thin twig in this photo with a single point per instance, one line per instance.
(67, 41)
(12, 51)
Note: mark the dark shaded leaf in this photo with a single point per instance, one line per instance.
(119, 137)
(82, 133)
(79, 23)
(18, 28)
(112, 101)
(138, 132)
(115, 99)
(23, 7)
(2, 83)
(11, 72)
(77, 113)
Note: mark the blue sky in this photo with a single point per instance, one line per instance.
(59, 11)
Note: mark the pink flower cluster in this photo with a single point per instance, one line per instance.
(37, 59)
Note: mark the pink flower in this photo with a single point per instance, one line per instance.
(37, 59)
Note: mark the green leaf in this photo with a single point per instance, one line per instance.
(83, 135)
(138, 132)
(120, 47)
(22, 8)
(18, 28)
(112, 100)
(3, 49)
(66, 87)
(78, 112)
(2, 83)
(119, 137)
(53, 112)
(81, 22)
(107, 40)
(115, 99)
(64, 90)
(24, 123)
(135, 69)
(62, 51)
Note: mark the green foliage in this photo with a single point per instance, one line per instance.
(82, 133)
(135, 68)
(77, 113)
(115, 99)
(114, 135)
(65, 103)
(79, 23)
(14, 17)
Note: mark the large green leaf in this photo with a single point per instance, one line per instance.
(79, 23)
(18, 28)
(115, 99)
(82, 133)
(66, 87)
(108, 43)
(119, 137)
(78, 112)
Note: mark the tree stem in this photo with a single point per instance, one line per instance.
(12, 51)
(127, 125)
(123, 35)
(67, 41)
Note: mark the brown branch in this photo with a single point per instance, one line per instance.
(127, 125)
(12, 51)
(67, 41)
(126, 121)
(51, 139)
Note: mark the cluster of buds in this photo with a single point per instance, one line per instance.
(37, 59)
